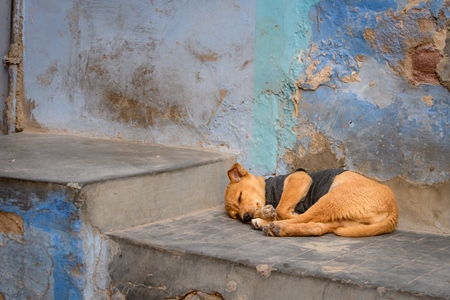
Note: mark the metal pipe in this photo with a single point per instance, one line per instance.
(12, 60)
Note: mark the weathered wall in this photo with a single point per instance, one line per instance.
(39, 246)
(5, 28)
(363, 88)
(354, 82)
(47, 249)
(378, 74)
(314, 83)
(171, 72)
(361, 85)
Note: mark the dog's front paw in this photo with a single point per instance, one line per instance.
(259, 223)
(269, 213)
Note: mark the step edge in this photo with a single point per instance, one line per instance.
(253, 265)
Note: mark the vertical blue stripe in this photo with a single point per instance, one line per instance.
(281, 40)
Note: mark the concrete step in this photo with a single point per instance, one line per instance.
(121, 184)
(60, 193)
(209, 252)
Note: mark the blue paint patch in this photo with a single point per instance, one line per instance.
(55, 215)
(338, 32)
(405, 138)
(342, 31)
(281, 40)
(387, 126)
(435, 7)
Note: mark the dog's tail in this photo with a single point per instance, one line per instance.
(352, 229)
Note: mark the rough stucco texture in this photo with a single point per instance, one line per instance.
(367, 83)
(282, 30)
(171, 72)
(42, 255)
(392, 119)
(47, 251)
(335, 83)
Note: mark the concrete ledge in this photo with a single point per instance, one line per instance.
(210, 252)
(58, 158)
(121, 184)
(118, 204)
(58, 193)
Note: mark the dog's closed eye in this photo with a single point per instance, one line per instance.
(239, 199)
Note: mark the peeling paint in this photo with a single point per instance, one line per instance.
(282, 32)
(49, 263)
(165, 62)
(420, 65)
(204, 57)
(315, 78)
(161, 77)
(316, 155)
(222, 94)
(407, 41)
(11, 223)
(428, 100)
(383, 103)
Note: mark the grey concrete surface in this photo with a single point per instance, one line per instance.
(120, 184)
(208, 251)
(131, 201)
(59, 158)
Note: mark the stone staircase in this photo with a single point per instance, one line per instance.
(208, 251)
(84, 218)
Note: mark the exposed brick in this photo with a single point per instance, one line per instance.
(424, 60)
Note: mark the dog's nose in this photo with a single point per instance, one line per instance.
(247, 218)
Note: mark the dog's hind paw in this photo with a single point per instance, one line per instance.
(272, 230)
(269, 213)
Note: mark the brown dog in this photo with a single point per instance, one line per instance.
(311, 204)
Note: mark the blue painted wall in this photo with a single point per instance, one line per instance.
(46, 262)
(169, 72)
(356, 85)
(383, 120)
(57, 254)
(282, 33)
(275, 81)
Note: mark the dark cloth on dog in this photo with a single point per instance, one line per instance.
(321, 183)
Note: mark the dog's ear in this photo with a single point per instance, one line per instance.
(236, 173)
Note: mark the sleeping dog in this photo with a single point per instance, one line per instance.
(311, 203)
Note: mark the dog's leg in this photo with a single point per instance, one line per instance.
(320, 212)
(296, 187)
(267, 212)
(259, 223)
(282, 228)
(264, 216)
